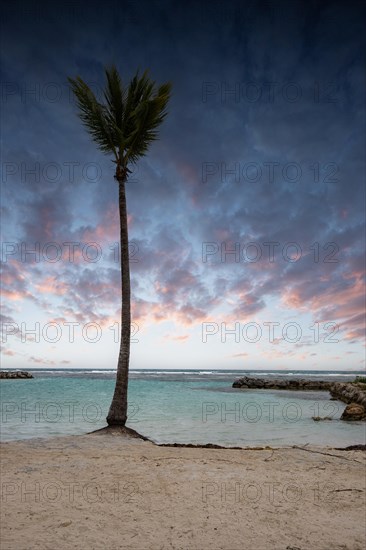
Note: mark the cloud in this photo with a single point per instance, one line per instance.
(177, 338)
(58, 188)
(41, 361)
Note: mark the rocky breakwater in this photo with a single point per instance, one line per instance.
(296, 384)
(15, 374)
(355, 397)
(354, 394)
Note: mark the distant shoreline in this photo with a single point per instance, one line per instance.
(202, 370)
(214, 374)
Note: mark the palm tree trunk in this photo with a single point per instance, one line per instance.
(117, 414)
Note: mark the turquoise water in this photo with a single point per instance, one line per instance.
(174, 409)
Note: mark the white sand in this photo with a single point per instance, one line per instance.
(111, 492)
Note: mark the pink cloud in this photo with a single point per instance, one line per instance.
(9, 352)
(182, 338)
(341, 301)
(50, 285)
(108, 228)
(41, 361)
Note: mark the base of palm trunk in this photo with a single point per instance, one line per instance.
(115, 421)
(120, 430)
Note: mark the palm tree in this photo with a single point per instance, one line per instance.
(123, 126)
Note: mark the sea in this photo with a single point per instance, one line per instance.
(179, 406)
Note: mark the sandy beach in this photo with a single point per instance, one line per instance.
(116, 492)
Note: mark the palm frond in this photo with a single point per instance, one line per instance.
(114, 96)
(93, 115)
(144, 119)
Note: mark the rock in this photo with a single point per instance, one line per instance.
(318, 418)
(65, 523)
(348, 392)
(15, 374)
(295, 384)
(353, 411)
(352, 448)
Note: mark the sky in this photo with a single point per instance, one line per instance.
(246, 218)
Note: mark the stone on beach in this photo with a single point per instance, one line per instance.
(353, 411)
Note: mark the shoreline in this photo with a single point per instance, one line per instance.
(133, 434)
(126, 492)
(109, 432)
